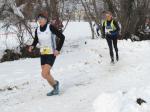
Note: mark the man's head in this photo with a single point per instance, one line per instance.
(42, 18)
(108, 15)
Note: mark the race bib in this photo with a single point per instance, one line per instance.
(46, 50)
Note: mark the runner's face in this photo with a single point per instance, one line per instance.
(42, 21)
(108, 17)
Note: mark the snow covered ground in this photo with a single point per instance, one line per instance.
(89, 83)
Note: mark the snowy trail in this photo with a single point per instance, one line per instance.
(84, 71)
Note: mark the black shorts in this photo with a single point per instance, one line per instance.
(48, 59)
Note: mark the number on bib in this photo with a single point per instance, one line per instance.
(46, 50)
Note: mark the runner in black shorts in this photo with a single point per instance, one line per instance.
(48, 59)
(45, 35)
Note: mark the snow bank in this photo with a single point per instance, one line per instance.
(124, 101)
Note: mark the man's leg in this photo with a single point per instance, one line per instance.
(97, 30)
(109, 41)
(116, 48)
(47, 74)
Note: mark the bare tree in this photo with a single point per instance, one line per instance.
(14, 19)
(92, 11)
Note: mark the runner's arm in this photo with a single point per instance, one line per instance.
(59, 35)
(35, 41)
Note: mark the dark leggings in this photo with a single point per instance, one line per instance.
(97, 31)
(112, 41)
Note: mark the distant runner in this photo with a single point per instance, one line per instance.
(110, 31)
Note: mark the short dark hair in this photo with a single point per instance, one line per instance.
(43, 14)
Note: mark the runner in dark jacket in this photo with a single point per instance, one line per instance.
(110, 32)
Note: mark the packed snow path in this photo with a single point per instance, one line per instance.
(84, 72)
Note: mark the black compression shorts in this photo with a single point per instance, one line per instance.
(48, 59)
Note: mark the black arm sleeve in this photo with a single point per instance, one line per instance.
(35, 41)
(117, 26)
(59, 35)
(103, 29)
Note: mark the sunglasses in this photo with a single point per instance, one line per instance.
(41, 18)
